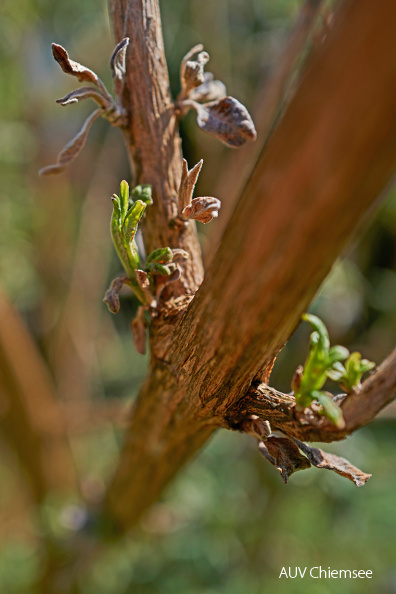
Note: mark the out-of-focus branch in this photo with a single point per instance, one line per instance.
(271, 99)
(30, 417)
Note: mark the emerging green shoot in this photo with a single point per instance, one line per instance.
(324, 361)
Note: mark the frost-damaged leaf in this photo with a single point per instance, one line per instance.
(192, 71)
(111, 297)
(209, 90)
(117, 60)
(118, 67)
(138, 328)
(202, 209)
(322, 459)
(82, 73)
(227, 119)
(187, 184)
(144, 284)
(84, 93)
(73, 148)
(282, 453)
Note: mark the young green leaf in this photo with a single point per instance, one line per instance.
(162, 256)
(132, 220)
(124, 197)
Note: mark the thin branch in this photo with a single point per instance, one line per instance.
(359, 408)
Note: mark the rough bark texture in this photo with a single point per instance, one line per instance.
(328, 160)
(153, 142)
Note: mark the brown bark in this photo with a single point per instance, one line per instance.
(324, 167)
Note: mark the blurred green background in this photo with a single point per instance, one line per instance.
(227, 525)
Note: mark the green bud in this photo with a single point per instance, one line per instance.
(143, 193)
(162, 256)
(132, 220)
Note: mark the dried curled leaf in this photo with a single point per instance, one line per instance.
(322, 459)
(187, 184)
(84, 93)
(73, 148)
(227, 119)
(284, 455)
(202, 209)
(144, 284)
(111, 297)
(117, 60)
(82, 73)
(192, 71)
(118, 67)
(138, 328)
(209, 90)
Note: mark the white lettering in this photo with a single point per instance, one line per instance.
(283, 572)
(302, 573)
(313, 576)
(345, 571)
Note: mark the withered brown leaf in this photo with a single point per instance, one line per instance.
(72, 148)
(227, 119)
(209, 90)
(111, 297)
(282, 453)
(322, 459)
(84, 93)
(203, 209)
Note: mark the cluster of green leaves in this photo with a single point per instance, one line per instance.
(324, 361)
(128, 210)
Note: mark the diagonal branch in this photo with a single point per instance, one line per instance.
(325, 165)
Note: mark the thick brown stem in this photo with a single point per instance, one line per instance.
(328, 160)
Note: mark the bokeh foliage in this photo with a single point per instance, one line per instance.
(227, 524)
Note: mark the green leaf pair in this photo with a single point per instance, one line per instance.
(349, 375)
(124, 224)
(324, 361)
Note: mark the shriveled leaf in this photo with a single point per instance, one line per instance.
(162, 256)
(209, 90)
(117, 60)
(202, 209)
(228, 120)
(144, 284)
(282, 453)
(322, 459)
(187, 184)
(138, 328)
(73, 148)
(84, 93)
(118, 66)
(192, 71)
(111, 297)
(179, 254)
(82, 73)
